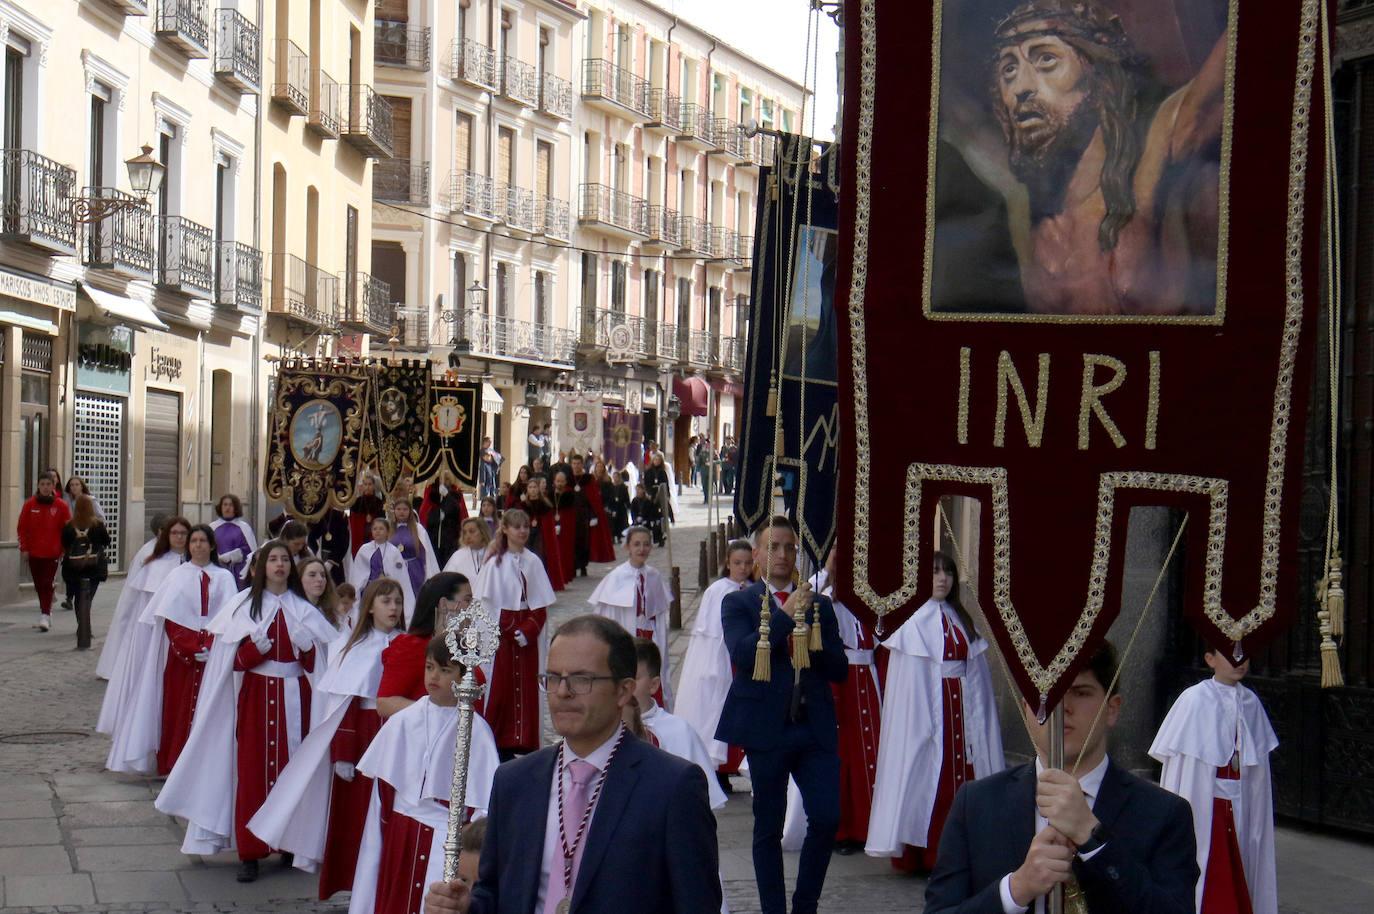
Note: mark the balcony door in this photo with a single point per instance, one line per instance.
(351, 262)
(14, 98)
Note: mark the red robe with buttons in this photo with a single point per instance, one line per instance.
(180, 688)
(263, 727)
(859, 710)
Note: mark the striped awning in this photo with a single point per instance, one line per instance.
(492, 401)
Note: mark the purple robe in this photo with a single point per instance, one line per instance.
(229, 537)
(404, 540)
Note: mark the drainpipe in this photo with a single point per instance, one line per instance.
(665, 389)
(491, 160)
(256, 504)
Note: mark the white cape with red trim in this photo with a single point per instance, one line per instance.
(129, 640)
(614, 598)
(706, 672)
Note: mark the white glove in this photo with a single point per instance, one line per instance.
(443, 490)
(302, 648)
(557, 529)
(232, 557)
(202, 655)
(521, 640)
(592, 522)
(344, 770)
(262, 643)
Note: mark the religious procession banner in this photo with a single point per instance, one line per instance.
(579, 422)
(1078, 275)
(319, 418)
(624, 437)
(453, 429)
(790, 364)
(400, 436)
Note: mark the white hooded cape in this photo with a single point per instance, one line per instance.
(414, 754)
(201, 786)
(614, 598)
(393, 566)
(138, 729)
(295, 815)
(911, 749)
(498, 587)
(706, 674)
(127, 642)
(1205, 727)
(467, 562)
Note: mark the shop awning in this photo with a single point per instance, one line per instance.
(123, 308)
(15, 319)
(492, 401)
(693, 394)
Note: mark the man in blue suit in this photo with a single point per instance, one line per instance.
(786, 725)
(602, 823)
(1125, 843)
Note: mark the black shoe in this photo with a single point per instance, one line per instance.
(67, 604)
(724, 781)
(287, 858)
(848, 848)
(248, 871)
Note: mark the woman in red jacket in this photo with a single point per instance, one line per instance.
(40, 542)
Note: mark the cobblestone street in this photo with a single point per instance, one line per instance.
(76, 838)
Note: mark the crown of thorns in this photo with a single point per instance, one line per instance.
(1081, 19)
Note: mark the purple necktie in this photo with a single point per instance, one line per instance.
(574, 808)
(375, 566)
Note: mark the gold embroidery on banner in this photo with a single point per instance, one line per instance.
(1217, 318)
(1032, 422)
(1090, 399)
(1217, 490)
(964, 381)
(1152, 406)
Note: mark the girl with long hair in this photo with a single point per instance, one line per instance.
(253, 712)
(84, 566)
(939, 724)
(515, 590)
(380, 558)
(403, 663)
(473, 540)
(410, 536)
(234, 535)
(488, 514)
(519, 487)
(157, 722)
(366, 506)
(317, 587)
(318, 807)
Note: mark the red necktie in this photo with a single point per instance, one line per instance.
(205, 593)
(641, 623)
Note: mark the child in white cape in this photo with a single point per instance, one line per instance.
(635, 595)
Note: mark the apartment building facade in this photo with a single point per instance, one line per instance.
(127, 325)
(472, 216)
(668, 183)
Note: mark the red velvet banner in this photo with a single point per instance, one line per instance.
(1079, 244)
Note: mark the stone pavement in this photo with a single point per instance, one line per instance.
(75, 838)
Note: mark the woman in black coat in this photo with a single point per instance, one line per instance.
(84, 541)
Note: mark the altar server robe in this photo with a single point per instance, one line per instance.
(616, 597)
(706, 671)
(393, 566)
(515, 590)
(467, 561)
(128, 642)
(1204, 729)
(912, 747)
(234, 535)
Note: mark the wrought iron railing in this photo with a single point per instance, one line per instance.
(693, 234)
(401, 181)
(552, 217)
(727, 137)
(409, 327)
(519, 81)
(603, 79)
(602, 328)
(369, 127)
(555, 95)
(472, 63)
(661, 107)
(291, 85)
(668, 348)
(713, 242)
(325, 108)
(37, 193)
(304, 291)
(186, 23)
(122, 241)
(732, 349)
(701, 348)
(691, 121)
(367, 303)
(515, 207)
(744, 250)
(472, 194)
(238, 276)
(670, 230)
(607, 206)
(497, 336)
(399, 44)
(238, 49)
(185, 255)
(653, 221)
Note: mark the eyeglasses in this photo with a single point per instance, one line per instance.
(577, 683)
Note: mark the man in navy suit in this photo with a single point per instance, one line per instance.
(787, 724)
(649, 845)
(1010, 837)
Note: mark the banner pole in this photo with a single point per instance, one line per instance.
(1056, 760)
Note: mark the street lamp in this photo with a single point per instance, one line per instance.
(531, 395)
(674, 408)
(145, 178)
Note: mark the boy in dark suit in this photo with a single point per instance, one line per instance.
(1125, 844)
(786, 724)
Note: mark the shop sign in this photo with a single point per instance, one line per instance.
(162, 366)
(104, 357)
(29, 288)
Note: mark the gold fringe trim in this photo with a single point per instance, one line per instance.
(763, 654)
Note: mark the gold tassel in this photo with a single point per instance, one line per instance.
(1331, 660)
(816, 643)
(772, 408)
(801, 650)
(1335, 596)
(763, 654)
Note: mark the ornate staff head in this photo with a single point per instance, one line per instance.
(472, 637)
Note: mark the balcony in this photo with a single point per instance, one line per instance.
(401, 181)
(758, 151)
(186, 25)
(743, 258)
(303, 292)
(498, 337)
(369, 122)
(367, 304)
(238, 280)
(552, 218)
(729, 139)
(670, 229)
(620, 334)
(37, 196)
(653, 223)
(398, 44)
(692, 124)
(661, 108)
(409, 327)
(613, 212)
(130, 7)
(693, 235)
(185, 256)
(519, 82)
(472, 63)
(701, 348)
(716, 240)
(732, 350)
(291, 83)
(668, 348)
(613, 89)
(123, 242)
(555, 96)
(515, 207)
(472, 195)
(238, 50)
(324, 118)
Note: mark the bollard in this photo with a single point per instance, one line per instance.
(712, 551)
(675, 611)
(722, 545)
(703, 571)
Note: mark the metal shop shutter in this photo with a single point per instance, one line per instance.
(161, 449)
